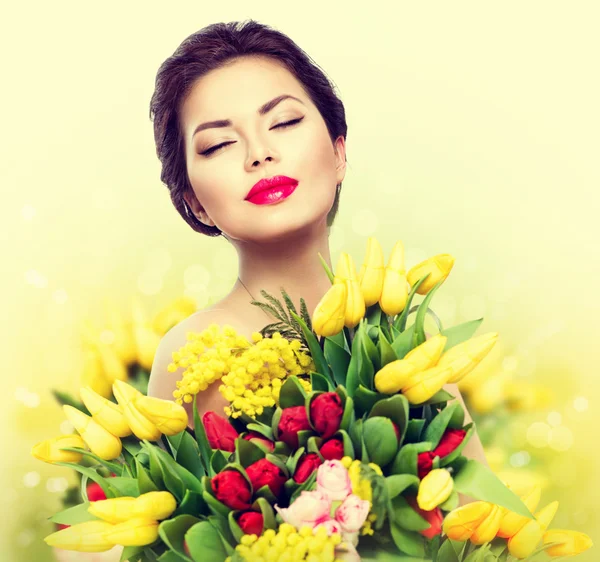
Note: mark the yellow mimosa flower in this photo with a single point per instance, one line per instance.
(435, 488)
(100, 441)
(427, 354)
(527, 538)
(152, 505)
(572, 542)
(141, 426)
(424, 384)
(438, 267)
(513, 522)
(168, 416)
(372, 272)
(83, 537)
(138, 531)
(487, 529)
(329, 314)
(394, 293)
(393, 376)
(465, 356)
(50, 449)
(105, 412)
(461, 522)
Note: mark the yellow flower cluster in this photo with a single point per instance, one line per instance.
(289, 545)
(361, 487)
(252, 374)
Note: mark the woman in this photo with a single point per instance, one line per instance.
(238, 103)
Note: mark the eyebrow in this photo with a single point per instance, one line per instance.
(262, 110)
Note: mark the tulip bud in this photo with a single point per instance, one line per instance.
(461, 522)
(138, 531)
(355, 302)
(438, 268)
(105, 412)
(487, 529)
(435, 489)
(394, 292)
(423, 385)
(93, 374)
(465, 356)
(169, 417)
(393, 376)
(101, 442)
(513, 522)
(427, 354)
(141, 426)
(50, 449)
(372, 272)
(329, 315)
(525, 541)
(571, 542)
(89, 536)
(151, 505)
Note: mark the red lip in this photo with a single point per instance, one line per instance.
(270, 183)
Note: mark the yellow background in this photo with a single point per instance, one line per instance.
(472, 130)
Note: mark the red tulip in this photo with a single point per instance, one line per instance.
(232, 489)
(255, 437)
(435, 518)
(326, 413)
(219, 432)
(306, 466)
(265, 473)
(251, 522)
(332, 450)
(292, 421)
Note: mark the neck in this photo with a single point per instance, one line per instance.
(293, 264)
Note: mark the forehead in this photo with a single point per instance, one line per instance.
(239, 88)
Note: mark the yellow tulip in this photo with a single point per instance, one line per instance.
(172, 314)
(427, 354)
(344, 269)
(513, 522)
(329, 315)
(146, 339)
(461, 522)
(83, 537)
(355, 302)
(121, 327)
(114, 369)
(393, 376)
(141, 426)
(438, 267)
(152, 505)
(424, 384)
(169, 417)
(50, 449)
(435, 488)
(105, 412)
(465, 356)
(93, 373)
(138, 531)
(100, 441)
(372, 272)
(572, 542)
(525, 541)
(487, 529)
(394, 293)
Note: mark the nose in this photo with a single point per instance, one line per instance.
(257, 153)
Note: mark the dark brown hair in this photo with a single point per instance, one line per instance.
(213, 47)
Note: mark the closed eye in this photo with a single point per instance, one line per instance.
(214, 149)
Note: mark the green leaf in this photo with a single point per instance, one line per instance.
(352, 378)
(406, 517)
(107, 488)
(145, 482)
(126, 486)
(479, 482)
(172, 532)
(365, 399)
(414, 430)
(406, 459)
(114, 467)
(292, 393)
(449, 551)
(366, 369)
(386, 351)
(380, 439)
(403, 343)
(187, 453)
(408, 541)
(247, 453)
(460, 333)
(372, 351)
(63, 398)
(218, 461)
(268, 514)
(202, 440)
(395, 408)
(131, 553)
(453, 455)
(397, 483)
(337, 357)
(316, 352)
(73, 515)
(319, 382)
(193, 504)
(419, 335)
(400, 322)
(205, 543)
(436, 429)
(451, 503)
(440, 396)
(326, 268)
(215, 505)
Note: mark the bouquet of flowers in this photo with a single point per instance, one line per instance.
(340, 442)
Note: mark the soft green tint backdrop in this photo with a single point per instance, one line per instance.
(473, 130)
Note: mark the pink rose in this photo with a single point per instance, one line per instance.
(352, 514)
(333, 479)
(332, 527)
(309, 508)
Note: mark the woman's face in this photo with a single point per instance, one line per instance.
(256, 148)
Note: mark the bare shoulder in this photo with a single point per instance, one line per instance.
(162, 382)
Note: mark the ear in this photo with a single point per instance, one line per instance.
(340, 158)
(197, 209)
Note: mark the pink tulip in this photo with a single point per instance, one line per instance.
(333, 479)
